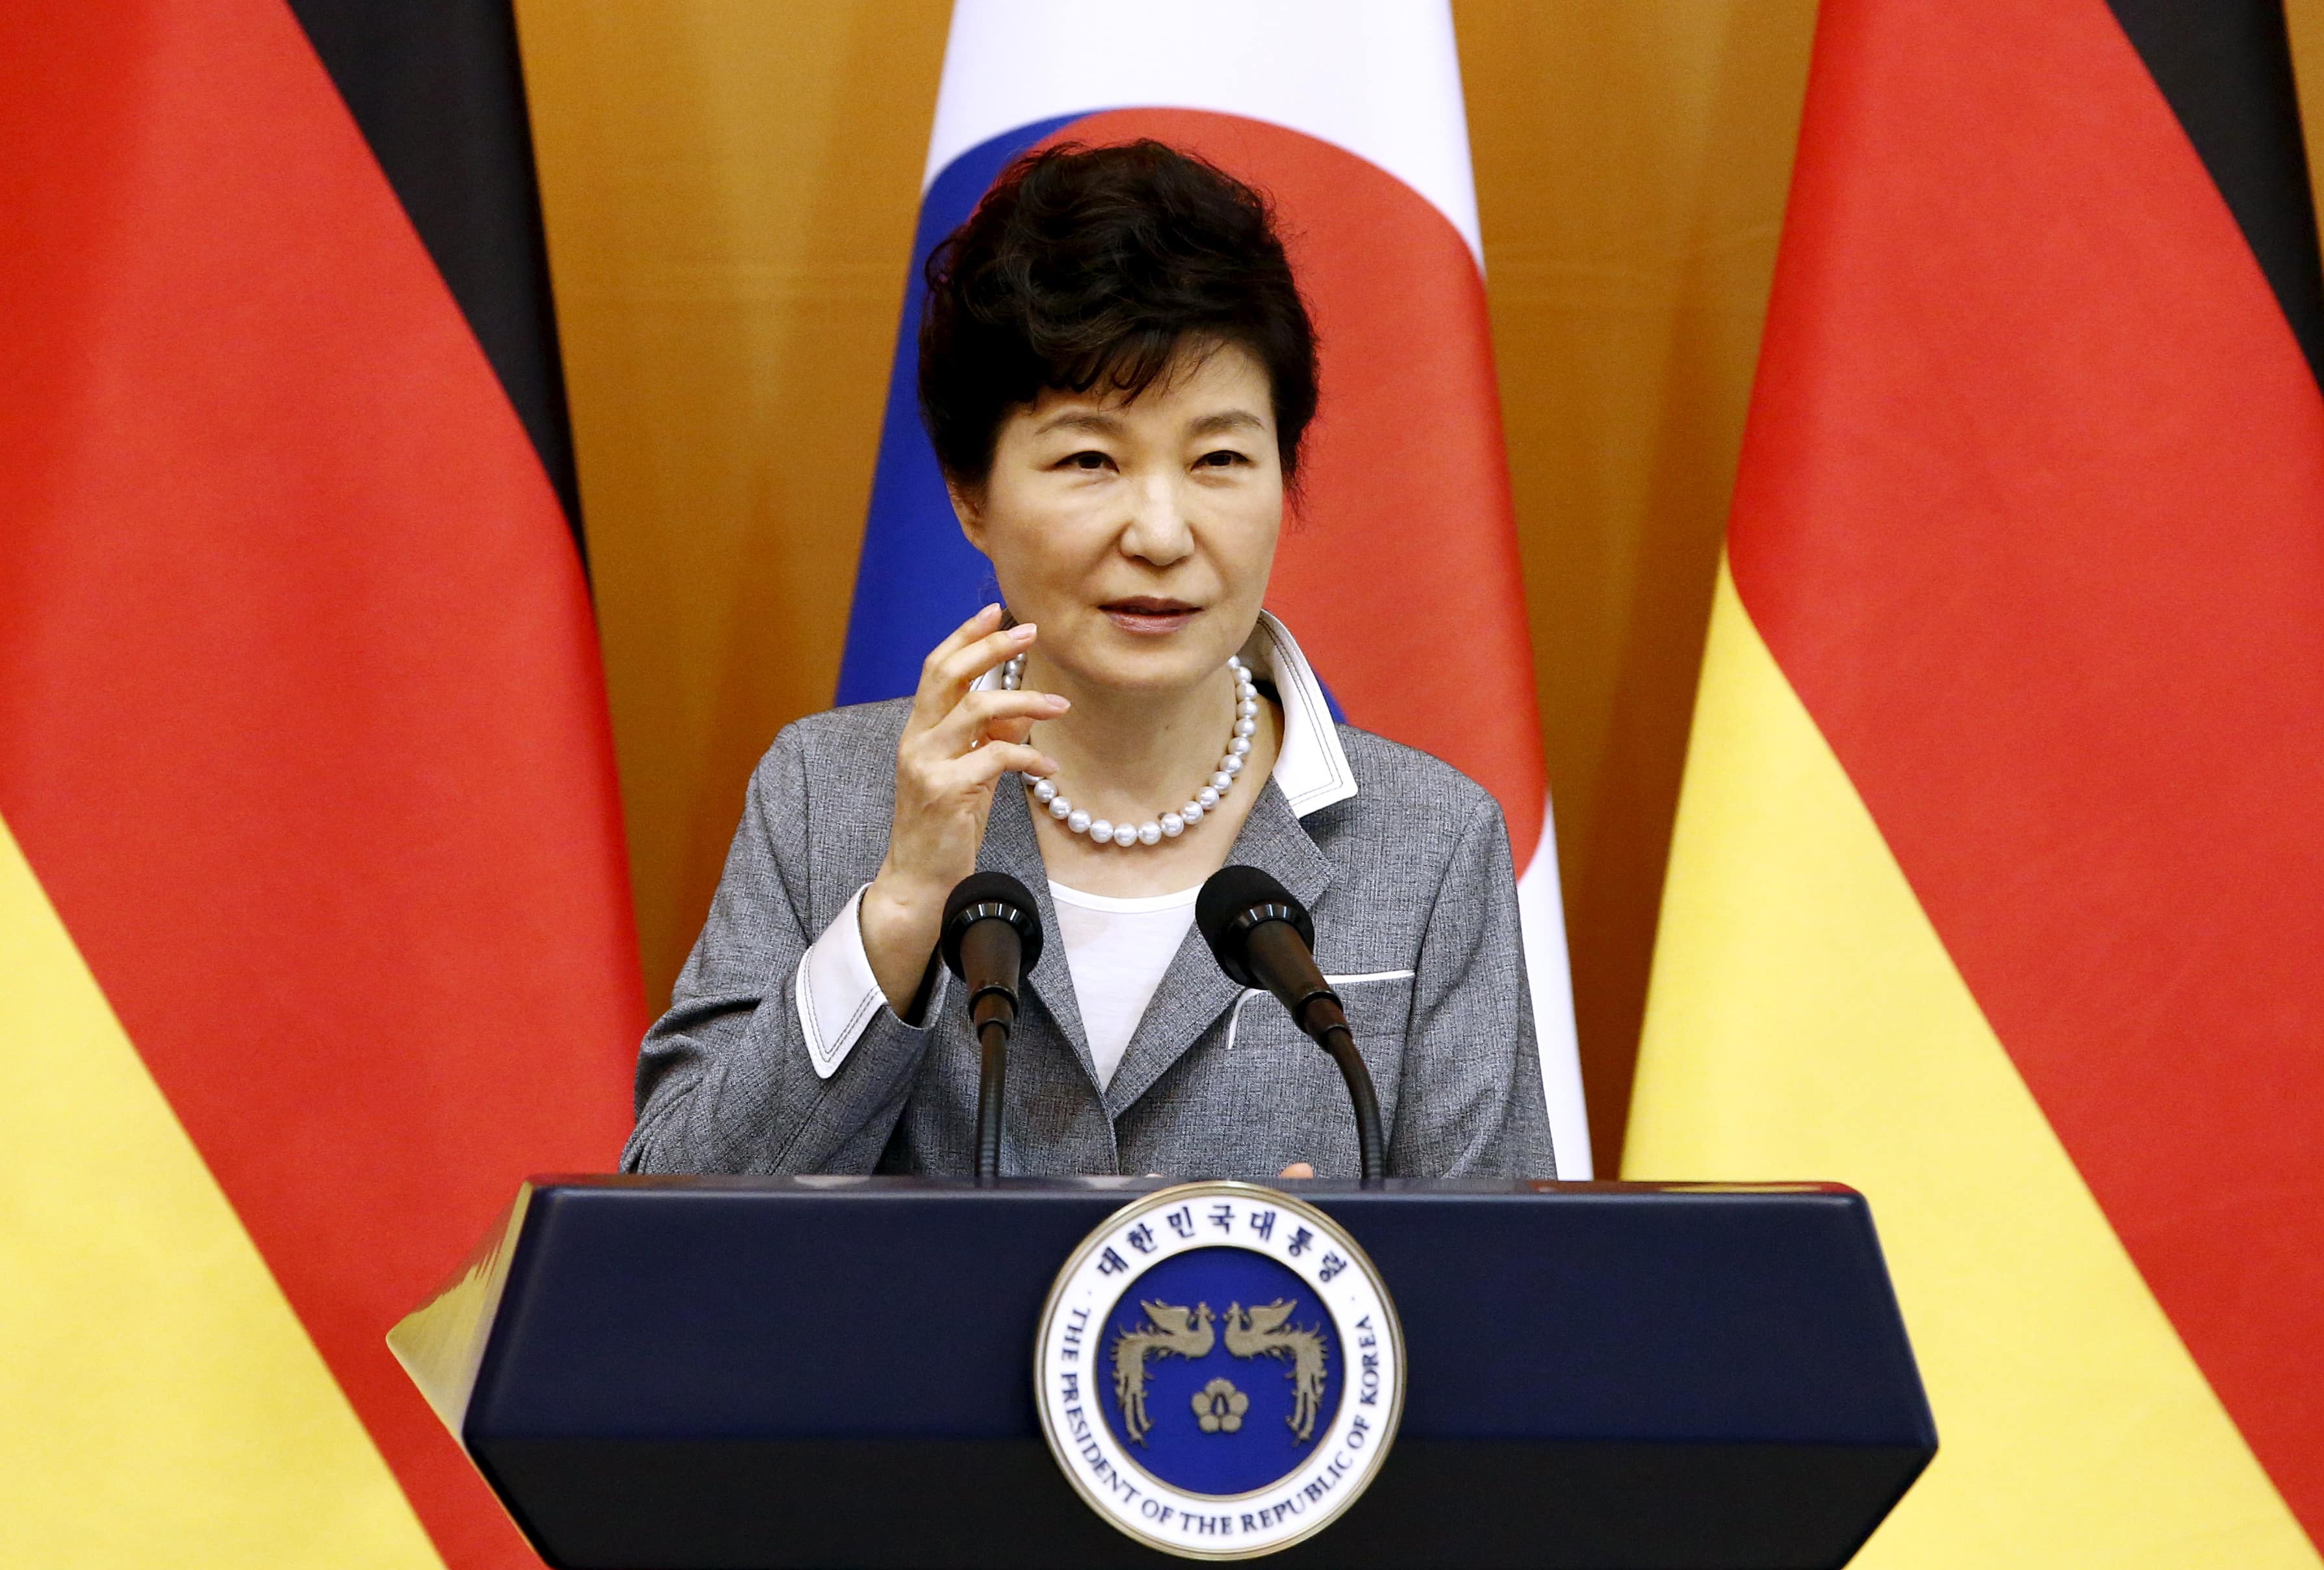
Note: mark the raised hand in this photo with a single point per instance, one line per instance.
(957, 744)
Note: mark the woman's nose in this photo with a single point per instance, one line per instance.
(1157, 531)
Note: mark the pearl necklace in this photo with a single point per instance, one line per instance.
(1171, 825)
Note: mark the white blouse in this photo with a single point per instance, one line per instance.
(1116, 951)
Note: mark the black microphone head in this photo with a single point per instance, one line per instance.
(1237, 899)
(983, 896)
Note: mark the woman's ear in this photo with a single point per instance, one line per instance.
(967, 505)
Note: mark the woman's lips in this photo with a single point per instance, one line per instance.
(1150, 617)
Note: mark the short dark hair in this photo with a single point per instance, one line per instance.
(1090, 264)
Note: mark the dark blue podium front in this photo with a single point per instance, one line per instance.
(824, 1371)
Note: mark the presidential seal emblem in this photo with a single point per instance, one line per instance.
(1219, 1371)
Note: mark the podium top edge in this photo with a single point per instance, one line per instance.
(1127, 1189)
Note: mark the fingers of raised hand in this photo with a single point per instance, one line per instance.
(994, 759)
(993, 715)
(971, 651)
(980, 626)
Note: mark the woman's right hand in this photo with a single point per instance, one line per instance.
(957, 744)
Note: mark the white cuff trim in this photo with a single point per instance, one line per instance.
(836, 994)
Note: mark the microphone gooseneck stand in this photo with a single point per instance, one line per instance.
(992, 1072)
(1281, 956)
(991, 938)
(1262, 938)
(1340, 1042)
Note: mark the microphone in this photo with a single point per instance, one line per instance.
(1263, 937)
(992, 937)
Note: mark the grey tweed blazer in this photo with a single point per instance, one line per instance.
(1415, 901)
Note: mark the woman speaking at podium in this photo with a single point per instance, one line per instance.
(1116, 371)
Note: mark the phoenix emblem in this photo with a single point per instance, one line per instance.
(1261, 1332)
(1169, 1331)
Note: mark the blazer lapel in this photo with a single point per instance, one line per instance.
(1195, 991)
(1009, 846)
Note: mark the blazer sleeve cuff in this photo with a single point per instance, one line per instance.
(837, 995)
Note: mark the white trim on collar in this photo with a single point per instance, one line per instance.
(1312, 768)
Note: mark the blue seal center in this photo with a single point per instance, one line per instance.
(1222, 1371)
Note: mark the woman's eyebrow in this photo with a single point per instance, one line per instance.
(1079, 420)
(1228, 420)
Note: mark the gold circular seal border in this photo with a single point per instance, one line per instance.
(1174, 1194)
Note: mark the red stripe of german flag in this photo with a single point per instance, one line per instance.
(302, 723)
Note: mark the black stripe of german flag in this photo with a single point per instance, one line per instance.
(2225, 67)
(436, 88)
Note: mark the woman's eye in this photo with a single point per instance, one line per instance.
(1225, 458)
(1088, 460)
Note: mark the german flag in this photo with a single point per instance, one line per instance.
(1997, 887)
(315, 925)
